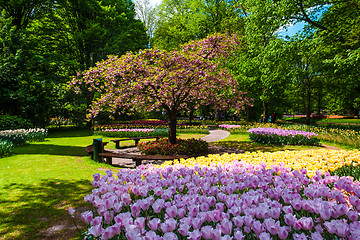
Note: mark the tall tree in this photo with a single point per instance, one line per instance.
(146, 12)
(171, 80)
(180, 21)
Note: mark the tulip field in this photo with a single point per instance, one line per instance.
(302, 194)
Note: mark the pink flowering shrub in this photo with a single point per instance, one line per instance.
(234, 201)
(182, 147)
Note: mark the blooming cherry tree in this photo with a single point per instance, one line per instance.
(156, 78)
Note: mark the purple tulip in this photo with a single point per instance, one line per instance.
(154, 224)
(87, 216)
(215, 234)
(239, 235)
(96, 230)
(226, 227)
(195, 235)
(170, 236)
(193, 210)
(184, 229)
(283, 232)
(196, 223)
(264, 236)
(272, 226)
(290, 219)
(301, 236)
(206, 232)
(316, 236)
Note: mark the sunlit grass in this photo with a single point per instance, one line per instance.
(41, 180)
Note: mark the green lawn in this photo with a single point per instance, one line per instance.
(41, 180)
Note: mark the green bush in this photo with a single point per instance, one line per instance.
(5, 148)
(8, 122)
(182, 147)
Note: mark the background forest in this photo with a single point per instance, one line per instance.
(44, 43)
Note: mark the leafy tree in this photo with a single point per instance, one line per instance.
(180, 21)
(158, 78)
(260, 64)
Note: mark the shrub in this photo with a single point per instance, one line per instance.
(133, 132)
(283, 137)
(182, 147)
(234, 201)
(8, 122)
(5, 148)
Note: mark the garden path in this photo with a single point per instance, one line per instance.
(216, 135)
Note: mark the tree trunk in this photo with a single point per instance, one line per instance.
(308, 102)
(248, 119)
(265, 111)
(191, 115)
(172, 126)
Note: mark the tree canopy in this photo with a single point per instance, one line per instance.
(171, 80)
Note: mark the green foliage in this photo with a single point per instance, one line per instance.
(6, 148)
(182, 147)
(185, 20)
(8, 122)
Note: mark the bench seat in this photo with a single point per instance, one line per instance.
(135, 139)
(137, 158)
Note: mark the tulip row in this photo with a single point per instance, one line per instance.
(283, 136)
(231, 201)
(21, 136)
(133, 132)
(324, 160)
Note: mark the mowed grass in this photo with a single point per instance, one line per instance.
(42, 180)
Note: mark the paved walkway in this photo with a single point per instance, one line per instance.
(216, 135)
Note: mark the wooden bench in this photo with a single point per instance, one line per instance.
(135, 139)
(137, 158)
(90, 149)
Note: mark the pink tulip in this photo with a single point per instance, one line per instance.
(87, 216)
(206, 232)
(195, 235)
(96, 230)
(154, 224)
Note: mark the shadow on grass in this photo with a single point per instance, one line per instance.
(50, 149)
(253, 147)
(40, 211)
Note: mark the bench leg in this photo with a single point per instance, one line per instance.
(108, 160)
(117, 145)
(136, 142)
(137, 162)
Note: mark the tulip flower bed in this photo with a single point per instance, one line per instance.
(181, 127)
(283, 137)
(133, 132)
(182, 147)
(21, 136)
(324, 160)
(231, 201)
(5, 148)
